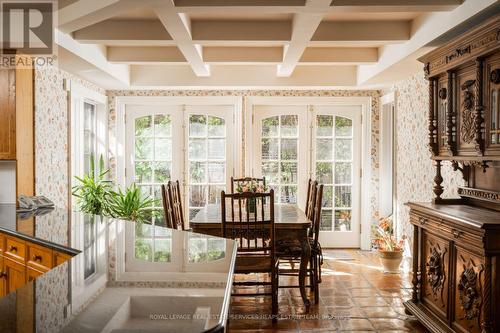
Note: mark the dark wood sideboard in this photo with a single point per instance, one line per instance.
(456, 242)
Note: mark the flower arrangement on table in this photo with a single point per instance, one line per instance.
(251, 187)
(390, 249)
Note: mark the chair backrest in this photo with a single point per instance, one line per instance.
(252, 225)
(311, 198)
(172, 205)
(316, 221)
(236, 182)
(167, 207)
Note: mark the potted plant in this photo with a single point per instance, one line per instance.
(94, 192)
(390, 250)
(251, 187)
(131, 205)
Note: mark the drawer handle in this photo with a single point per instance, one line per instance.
(3, 275)
(422, 220)
(456, 233)
(37, 258)
(13, 248)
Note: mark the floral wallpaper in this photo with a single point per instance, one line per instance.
(414, 171)
(51, 133)
(375, 94)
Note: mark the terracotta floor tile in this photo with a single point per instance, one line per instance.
(355, 324)
(355, 296)
(379, 312)
(369, 301)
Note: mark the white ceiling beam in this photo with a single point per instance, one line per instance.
(83, 13)
(249, 30)
(145, 55)
(178, 27)
(124, 31)
(339, 55)
(383, 31)
(95, 55)
(304, 26)
(396, 5)
(239, 3)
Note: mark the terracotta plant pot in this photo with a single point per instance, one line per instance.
(391, 260)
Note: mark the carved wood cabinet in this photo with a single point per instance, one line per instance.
(456, 242)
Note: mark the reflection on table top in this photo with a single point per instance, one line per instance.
(286, 216)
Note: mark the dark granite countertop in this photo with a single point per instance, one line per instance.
(123, 276)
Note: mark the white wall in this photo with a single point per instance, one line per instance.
(7, 182)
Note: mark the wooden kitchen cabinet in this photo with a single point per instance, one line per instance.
(2, 278)
(15, 275)
(7, 114)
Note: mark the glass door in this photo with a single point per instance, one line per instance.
(209, 154)
(280, 150)
(153, 142)
(336, 164)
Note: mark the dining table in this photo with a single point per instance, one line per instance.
(291, 233)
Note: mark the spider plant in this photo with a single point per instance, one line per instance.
(94, 192)
(131, 205)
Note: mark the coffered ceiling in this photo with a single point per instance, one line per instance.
(250, 42)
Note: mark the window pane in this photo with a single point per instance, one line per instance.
(324, 149)
(270, 126)
(343, 149)
(193, 212)
(197, 172)
(144, 126)
(163, 149)
(198, 196)
(342, 220)
(270, 149)
(144, 249)
(288, 172)
(288, 194)
(197, 125)
(327, 196)
(288, 149)
(144, 148)
(214, 192)
(145, 191)
(270, 170)
(162, 250)
(216, 126)
(216, 149)
(343, 196)
(326, 220)
(343, 126)
(163, 172)
(324, 172)
(324, 125)
(163, 125)
(143, 172)
(216, 173)
(343, 173)
(197, 149)
(289, 125)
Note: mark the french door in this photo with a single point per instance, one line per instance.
(189, 143)
(336, 164)
(280, 150)
(292, 143)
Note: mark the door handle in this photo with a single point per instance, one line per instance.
(13, 248)
(3, 275)
(37, 258)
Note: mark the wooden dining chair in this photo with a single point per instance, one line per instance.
(167, 207)
(310, 199)
(252, 227)
(237, 182)
(172, 205)
(292, 256)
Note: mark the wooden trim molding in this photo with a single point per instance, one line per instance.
(474, 193)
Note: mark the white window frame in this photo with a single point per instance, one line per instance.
(365, 103)
(233, 163)
(77, 96)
